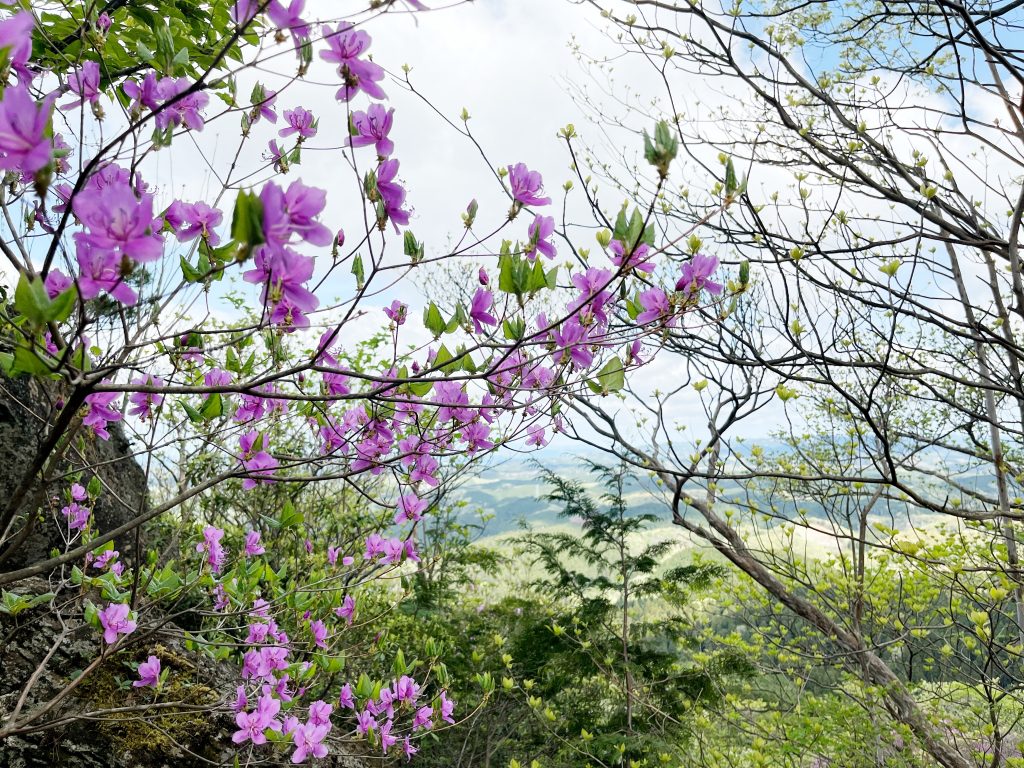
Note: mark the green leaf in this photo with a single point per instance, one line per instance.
(62, 306)
(247, 221)
(290, 516)
(611, 377)
(357, 271)
(193, 415)
(433, 320)
(731, 184)
(30, 298)
(190, 273)
(27, 361)
(213, 408)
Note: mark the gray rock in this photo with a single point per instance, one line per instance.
(27, 407)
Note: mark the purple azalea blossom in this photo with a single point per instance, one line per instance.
(526, 185)
(293, 212)
(16, 42)
(101, 413)
(244, 11)
(115, 621)
(24, 145)
(392, 194)
(85, 84)
(447, 707)
(283, 272)
(299, 121)
(372, 127)
(386, 739)
(199, 220)
(307, 739)
(410, 507)
(319, 631)
(408, 749)
(637, 260)
(143, 403)
(256, 460)
(264, 108)
(145, 95)
(345, 698)
(541, 229)
(56, 283)
(118, 221)
(251, 725)
(535, 436)
(423, 718)
(289, 18)
(345, 45)
(478, 310)
(77, 516)
(252, 544)
(215, 552)
(347, 610)
(320, 713)
(181, 106)
(695, 275)
(656, 305)
(396, 312)
(149, 673)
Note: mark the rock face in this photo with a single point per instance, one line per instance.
(27, 406)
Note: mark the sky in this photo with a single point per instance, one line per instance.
(510, 64)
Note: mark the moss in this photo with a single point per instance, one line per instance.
(158, 732)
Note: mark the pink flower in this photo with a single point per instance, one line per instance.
(77, 516)
(479, 310)
(386, 739)
(143, 403)
(16, 38)
(656, 306)
(347, 610)
(541, 229)
(447, 707)
(320, 713)
(423, 718)
(24, 145)
(526, 185)
(299, 121)
(307, 739)
(636, 260)
(84, 83)
(695, 275)
(319, 632)
(410, 507)
(332, 555)
(346, 44)
(535, 436)
(396, 312)
(101, 413)
(115, 621)
(215, 552)
(408, 749)
(372, 127)
(149, 673)
(255, 460)
(252, 544)
(56, 283)
(289, 18)
(345, 698)
(406, 689)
